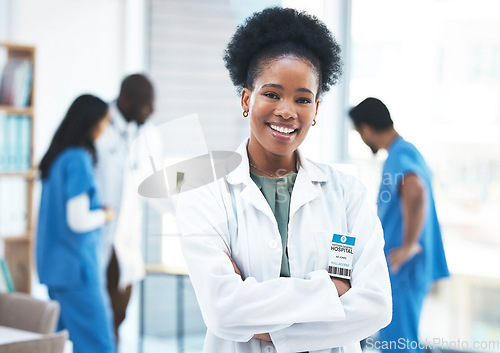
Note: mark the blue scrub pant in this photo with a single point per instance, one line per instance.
(86, 314)
(402, 333)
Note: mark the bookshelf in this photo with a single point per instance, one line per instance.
(17, 173)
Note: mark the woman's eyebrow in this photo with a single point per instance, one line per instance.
(280, 87)
(306, 90)
(273, 85)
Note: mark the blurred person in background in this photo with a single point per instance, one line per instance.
(69, 228)
(413, 243)
(121, 257)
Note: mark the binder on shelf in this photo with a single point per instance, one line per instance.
(25, 143)
(23, 92)
(15, 85)
(7, 278)
(15, 143)
(3, 58)
(3, 142)
(22, 87)
(6, 84)
(3, 282)
(12, 141)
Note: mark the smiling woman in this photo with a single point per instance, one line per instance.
(257, 243)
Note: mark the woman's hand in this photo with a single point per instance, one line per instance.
(263, 337)
(236, 270)
(343, 285)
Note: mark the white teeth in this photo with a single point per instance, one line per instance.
(281, 129)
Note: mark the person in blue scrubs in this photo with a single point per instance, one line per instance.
(69, 228)
(413, 243)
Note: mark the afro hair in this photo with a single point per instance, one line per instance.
(275, 32)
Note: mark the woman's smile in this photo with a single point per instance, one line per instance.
(282, 132)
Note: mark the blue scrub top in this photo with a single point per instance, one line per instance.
(66, 258)
(430, 264)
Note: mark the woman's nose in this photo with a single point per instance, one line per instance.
(285, 110)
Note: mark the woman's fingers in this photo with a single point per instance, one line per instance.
(234, 265)
(343, 285)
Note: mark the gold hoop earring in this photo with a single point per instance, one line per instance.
(314, 122)
(245, 113)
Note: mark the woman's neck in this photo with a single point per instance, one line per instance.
(265, 163)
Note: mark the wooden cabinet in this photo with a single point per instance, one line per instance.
(17, 65)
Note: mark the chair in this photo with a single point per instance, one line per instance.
(21, 311)
(53, 343)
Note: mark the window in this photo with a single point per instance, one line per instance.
(436, 66)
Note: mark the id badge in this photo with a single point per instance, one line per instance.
(341, 253)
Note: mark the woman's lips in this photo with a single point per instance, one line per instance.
(282, 133)
(283, 129)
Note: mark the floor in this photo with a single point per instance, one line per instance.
(152, 344)
(159, 320)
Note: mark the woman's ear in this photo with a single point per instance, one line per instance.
(245, 99)
(317, 106)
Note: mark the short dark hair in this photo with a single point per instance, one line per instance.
(76, 129)
(136, 87)
(276, 32)
(373, 113)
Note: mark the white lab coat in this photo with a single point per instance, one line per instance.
(117, 184)
(301, 313)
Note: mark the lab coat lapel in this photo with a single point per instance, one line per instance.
(307, 185)
(253, 196)
(250, 193)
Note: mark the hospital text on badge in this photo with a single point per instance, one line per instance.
(341, 253)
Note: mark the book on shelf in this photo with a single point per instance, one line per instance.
(6, 283)
(3, 142)
(3, 283)
(15, 83)
(4, 55)
(24, 144)
(15, 143)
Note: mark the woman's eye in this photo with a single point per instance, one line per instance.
(272, 95)
(303, 100)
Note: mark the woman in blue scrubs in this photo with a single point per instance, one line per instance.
(69, 228)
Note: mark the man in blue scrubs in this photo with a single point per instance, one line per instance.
(413, 244)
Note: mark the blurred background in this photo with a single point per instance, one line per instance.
(435, 63)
